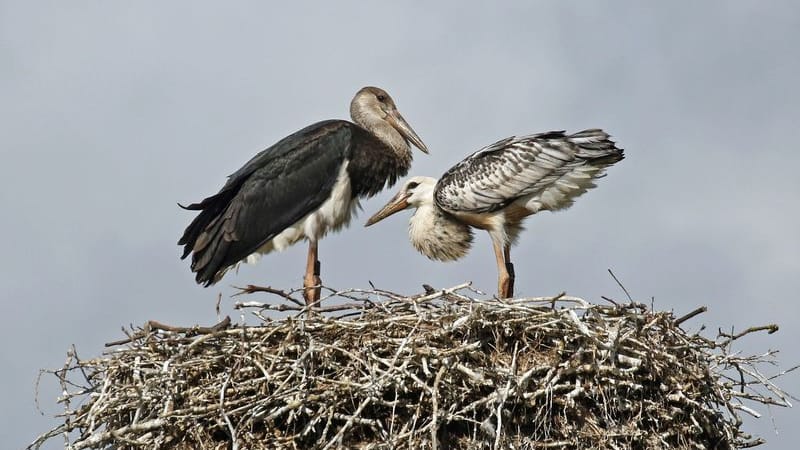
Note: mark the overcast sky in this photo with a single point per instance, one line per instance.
(111, 112)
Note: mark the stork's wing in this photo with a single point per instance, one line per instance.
(274, 190)
(554, 165)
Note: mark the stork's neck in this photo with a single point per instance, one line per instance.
(386, 133)
(437, 235)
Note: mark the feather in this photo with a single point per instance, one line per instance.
(549, 165)
(270, 192)
(278, 193)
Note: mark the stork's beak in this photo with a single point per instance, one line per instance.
(400, 124)
(398, 203)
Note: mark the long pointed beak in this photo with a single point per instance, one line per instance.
(400, 124)
(398, 203)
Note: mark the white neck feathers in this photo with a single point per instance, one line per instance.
(438, 236)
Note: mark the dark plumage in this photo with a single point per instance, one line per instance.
(280, 195)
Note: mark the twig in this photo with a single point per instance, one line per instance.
(435, 407)
(771, 328)
(231, 429)
(441, 368)
(191, 331)
(688, 316)
(252, 289)
(620, 285)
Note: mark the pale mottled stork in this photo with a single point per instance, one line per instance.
(305, 185)
(495, 188)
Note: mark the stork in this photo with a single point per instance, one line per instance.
(497, 187)
(302, 187)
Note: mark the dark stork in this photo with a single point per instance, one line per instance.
(495, 188)
(305, 185)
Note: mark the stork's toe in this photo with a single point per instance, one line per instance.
(311, 288)
(505, 286)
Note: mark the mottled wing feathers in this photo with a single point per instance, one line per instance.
(275, 189)
(553, 164)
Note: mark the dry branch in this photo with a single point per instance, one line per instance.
(439, 370)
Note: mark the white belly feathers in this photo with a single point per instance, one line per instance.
(334, 213)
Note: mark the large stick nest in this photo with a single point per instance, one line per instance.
(438, 370)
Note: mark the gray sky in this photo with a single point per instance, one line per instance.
(112, 112)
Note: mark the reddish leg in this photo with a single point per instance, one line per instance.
(312, 281)
(505, 280)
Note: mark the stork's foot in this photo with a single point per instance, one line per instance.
(505, 285)
(311, 289)
(505, 288)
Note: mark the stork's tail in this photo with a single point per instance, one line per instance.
(204, 236)
(596, 147)
(595, 152)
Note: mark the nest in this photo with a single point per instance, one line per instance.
(439, 370)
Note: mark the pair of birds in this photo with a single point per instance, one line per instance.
(310, 183)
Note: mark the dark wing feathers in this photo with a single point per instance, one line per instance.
(493, 177)
(275, 189)
(212, 206)
(326, 129)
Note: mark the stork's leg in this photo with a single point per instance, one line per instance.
(312, 281)
(510, 269)
(505, 282)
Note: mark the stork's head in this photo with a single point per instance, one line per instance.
(374, 109)
(416, 192)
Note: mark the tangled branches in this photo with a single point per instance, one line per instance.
(439, 370)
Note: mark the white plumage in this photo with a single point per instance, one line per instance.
(495, 188)
(335, 213)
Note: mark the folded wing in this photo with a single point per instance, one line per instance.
(546, 171)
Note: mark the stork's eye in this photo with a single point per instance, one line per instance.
(381, 97)
(412, 185)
